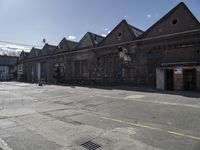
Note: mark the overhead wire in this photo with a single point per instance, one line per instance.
(20, 44)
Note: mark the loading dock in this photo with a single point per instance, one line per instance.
(169, 79)
(189, 79)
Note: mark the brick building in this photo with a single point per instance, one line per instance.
(166, 56)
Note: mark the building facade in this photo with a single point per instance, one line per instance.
(166, 56)
(8, 69)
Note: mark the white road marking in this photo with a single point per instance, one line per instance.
(153, 128)
(134, 96)
(184, 135)
(149, 101)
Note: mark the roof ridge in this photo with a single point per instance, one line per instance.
(70, 41)
(123, 21)
(95, 34)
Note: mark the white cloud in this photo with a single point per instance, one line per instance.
(71, 37)
(13, 47)
(104, 35)
(149, 16)
(9, 48)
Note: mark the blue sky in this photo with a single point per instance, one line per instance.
(29, 21)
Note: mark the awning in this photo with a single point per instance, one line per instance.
(180, 64)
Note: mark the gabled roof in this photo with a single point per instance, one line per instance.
(130, 33)
(65, 45)
(96, 39)
(136, 32)
(24, 55)
(71, 44)
(34, 52)
(170, 13)
(89, 40)
(47, 50)
(8, 60)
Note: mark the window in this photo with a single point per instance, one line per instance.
(120, 71)
(120, 49)
(62, 70)
(43, 70)
(119, 36)
(85, 69)
(174, 21)
(98, 61)
(81, 68)
(77, 68)
(108, 67)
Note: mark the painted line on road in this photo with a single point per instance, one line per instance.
(153, 128)
(184, 135)
(138, 125)
(148, 101)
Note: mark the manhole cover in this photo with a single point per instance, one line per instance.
(90, 145)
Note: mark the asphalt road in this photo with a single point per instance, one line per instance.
(119, 118)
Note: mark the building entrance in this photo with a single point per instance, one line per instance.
(169, 79)
(189, 79)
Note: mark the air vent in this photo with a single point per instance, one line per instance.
(90, 145)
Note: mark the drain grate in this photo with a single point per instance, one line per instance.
(90, 145)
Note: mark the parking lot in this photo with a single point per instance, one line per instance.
(54, 117)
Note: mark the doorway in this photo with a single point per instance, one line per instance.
(43, 71)
(169, 78)
(32, 74)
(190, 79)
